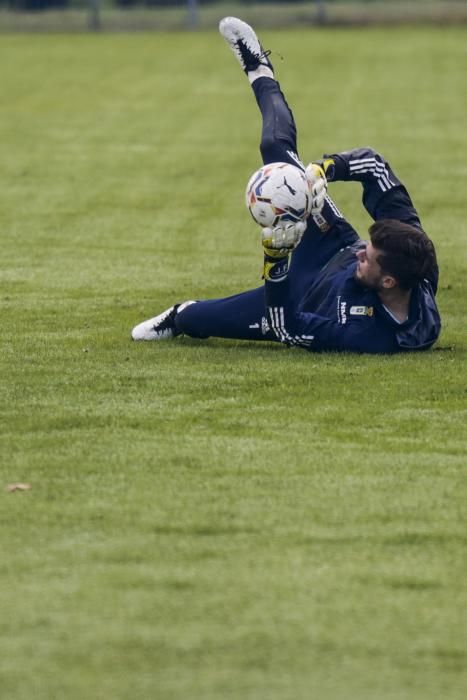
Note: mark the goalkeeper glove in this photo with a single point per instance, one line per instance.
(279, 241)
(318, 186)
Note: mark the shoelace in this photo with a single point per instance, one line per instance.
(265, 54)
(268, 52)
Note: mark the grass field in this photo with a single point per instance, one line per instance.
(218, 519)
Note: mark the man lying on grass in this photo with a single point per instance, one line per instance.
(335, 291)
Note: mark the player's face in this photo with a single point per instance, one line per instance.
(368, 272)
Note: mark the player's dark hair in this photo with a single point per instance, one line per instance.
(404, 252)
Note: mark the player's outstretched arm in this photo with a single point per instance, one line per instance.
(384, 195)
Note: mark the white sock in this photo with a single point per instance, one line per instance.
(260, 72)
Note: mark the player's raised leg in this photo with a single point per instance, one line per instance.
(279, 134)
(327, 231)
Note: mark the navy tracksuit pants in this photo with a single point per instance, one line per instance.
(243, 315)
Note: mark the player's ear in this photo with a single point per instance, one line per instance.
(389, 282)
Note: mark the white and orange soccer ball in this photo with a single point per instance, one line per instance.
(278, 193)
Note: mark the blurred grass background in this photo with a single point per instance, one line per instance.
(220, 519)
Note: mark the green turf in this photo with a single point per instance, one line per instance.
(218, 519)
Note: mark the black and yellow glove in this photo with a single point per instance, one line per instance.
(278, 243)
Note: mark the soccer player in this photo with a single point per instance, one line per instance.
(327, 289)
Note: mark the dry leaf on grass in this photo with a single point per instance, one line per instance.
(18, 487)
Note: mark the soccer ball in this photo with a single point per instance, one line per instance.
(278, 193)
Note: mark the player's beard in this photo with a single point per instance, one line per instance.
(375, 284)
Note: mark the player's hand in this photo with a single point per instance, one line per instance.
(318, 185)
(278, 242)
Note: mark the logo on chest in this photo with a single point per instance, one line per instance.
(343, 312)
(361, 311)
